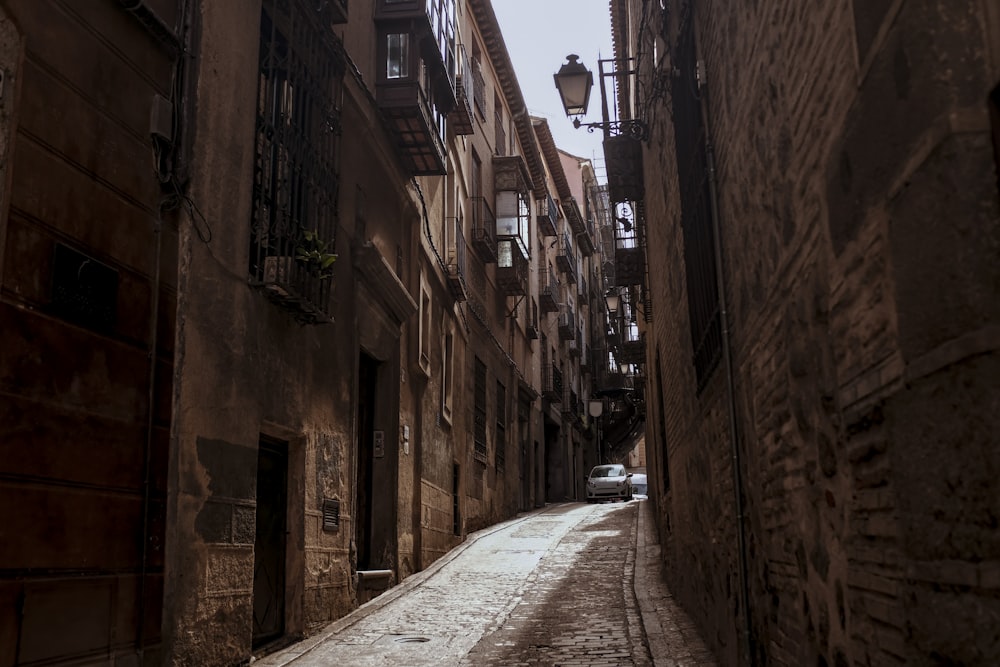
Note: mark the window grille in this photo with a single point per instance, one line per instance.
(696, 222)
(501, 428)
(479, 412)
(296, 177)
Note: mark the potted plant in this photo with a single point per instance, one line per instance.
(313, 253)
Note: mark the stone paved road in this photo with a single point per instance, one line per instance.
(554, 587)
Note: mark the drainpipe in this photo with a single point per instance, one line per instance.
(727, 359)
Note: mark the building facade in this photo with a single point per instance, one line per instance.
(297, 295)
(821, 360)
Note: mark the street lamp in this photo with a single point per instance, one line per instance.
(574, 81)
(613, 299)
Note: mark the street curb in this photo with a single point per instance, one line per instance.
(290, 654)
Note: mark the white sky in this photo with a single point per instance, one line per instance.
(539, 35)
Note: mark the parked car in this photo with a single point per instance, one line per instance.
(609, 482)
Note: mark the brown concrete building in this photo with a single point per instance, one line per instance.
(821, 180)
(275, 327)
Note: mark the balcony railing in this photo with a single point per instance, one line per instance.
(484, 225)
(457, 267)
(532, 331)
(567, 323)
(461, 117)
(548, 296)
(512, 267)
(479, 89)
(576, 345)
(566, 258)
(573, 216)
(552, 383)
(548, 216)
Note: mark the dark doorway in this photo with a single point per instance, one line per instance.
(367, 384)
(554, 465)
(269, 543)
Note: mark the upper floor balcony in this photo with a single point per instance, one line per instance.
(415, 77)
(531, 329)
(548, 294)
(461, 117)
(484, 225)
(573, 216)
(567, 323)
(548, 216)
(457, 269)
(512, 267)
(566, 258)
(552, 382)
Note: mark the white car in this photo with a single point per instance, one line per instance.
(609, 482)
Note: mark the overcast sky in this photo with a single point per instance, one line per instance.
(539, 34)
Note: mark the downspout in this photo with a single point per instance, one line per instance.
(727, 360)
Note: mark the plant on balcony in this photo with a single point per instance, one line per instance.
(313, 253)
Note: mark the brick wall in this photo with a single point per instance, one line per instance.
(859, 223)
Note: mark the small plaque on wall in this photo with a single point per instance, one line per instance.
(379, 444)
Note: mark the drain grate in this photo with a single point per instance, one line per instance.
(403, 639)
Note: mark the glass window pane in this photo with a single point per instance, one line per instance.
(397, 60)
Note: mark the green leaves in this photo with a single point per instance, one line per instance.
(313, 253)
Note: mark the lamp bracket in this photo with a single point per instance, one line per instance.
(633, 127)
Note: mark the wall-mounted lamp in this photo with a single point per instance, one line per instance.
(613, 300)
(574, 81)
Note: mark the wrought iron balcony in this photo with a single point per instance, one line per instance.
(532, 331)
(573, 215)
(567, 323)
(623, 162)
(576, 345)
(457, 268)
(484, 226)
(406, 106)
(548, 216)
(461, 116)
(548, 296)
(479, 90)
(585, 240)
(552, 383)
(630, 266)
(512, 267)
(566, 258)
(632, 352)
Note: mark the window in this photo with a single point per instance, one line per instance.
(500, 146)
(424, 334)
(696, 220)
(397, 62)
(478, 82)
(479, 411)
(447, 375)
(501, 428)
(296, 177)
(513, 218)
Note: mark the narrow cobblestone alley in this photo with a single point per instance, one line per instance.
(554, 587)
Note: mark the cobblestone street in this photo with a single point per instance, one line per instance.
(572, 584)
